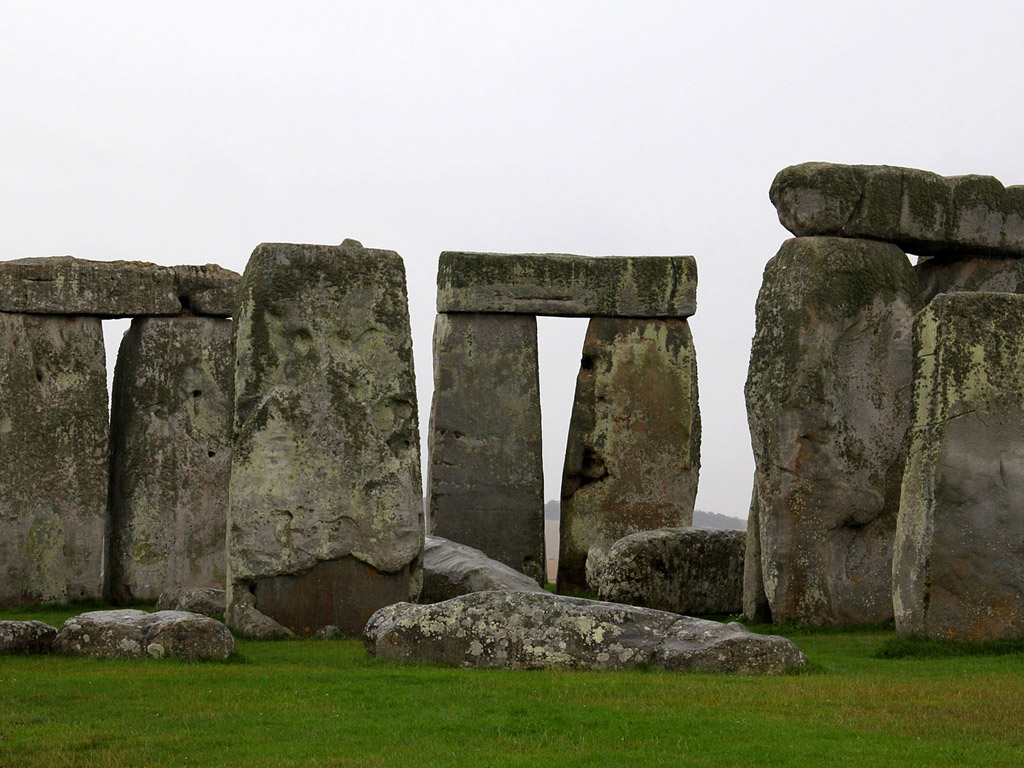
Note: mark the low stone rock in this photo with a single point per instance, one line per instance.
(566, 285)
(126, 634)
(26, 637)
(204, 600)
(694, 571)
(526, 630)
(243, 617)
(451, 569)
(921, 212)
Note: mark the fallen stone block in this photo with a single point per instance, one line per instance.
(127, 634)
(451, 569)
(26, 637)
(205, 600)
(524, 630)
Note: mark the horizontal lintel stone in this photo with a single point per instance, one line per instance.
(567, 286)
(64, 285)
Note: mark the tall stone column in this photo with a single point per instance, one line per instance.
(633, 451)
(170, 456)
(53, 450)
(486, 475)
(326, 509)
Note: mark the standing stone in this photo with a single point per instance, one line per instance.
(755, 603)
(53, 450)
(486, 477)
(633, 451)
(170, 456)
(987, 275)
(958, 572)
(828, 401)
(326, 511)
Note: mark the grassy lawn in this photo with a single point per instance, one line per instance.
(326, 703)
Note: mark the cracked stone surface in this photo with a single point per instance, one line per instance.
(959, 566)
(128, 633)
(523, 630)
(828, 404)
(451, 569)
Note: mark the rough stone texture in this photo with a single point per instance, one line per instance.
(486, 473)
(828, 402)
(755, 602)
(325, 460)
(451, 569)
(958, 573)
(919, 211)
(127, 634)
(954, 275)
(53, 451)
(26, 637)
(204, 600)
(525, 630)
(170, 456)
(64, 285)
(568, 286)
(633, 453)
(241, 615)
(696, 571)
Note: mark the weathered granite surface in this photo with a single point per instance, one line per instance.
(64, 285)
(755, 602)
(127, 634)
(955, 275)
(632, 456)
(326, 507)
(53, 451)
(486, 474)
(26, 637)
(565, 285)
(921, 212)
(205, 600)
(694, 571)
(828, 403)
(526, 630)
(451, 569)
(170, 456)
(959, 566)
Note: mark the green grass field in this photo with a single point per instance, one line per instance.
(327, 703)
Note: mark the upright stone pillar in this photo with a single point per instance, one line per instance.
(958, 572)
(486, 476)
(53, 450)
(633, 451)
(828, 401)
(326, 511)
(170, 456)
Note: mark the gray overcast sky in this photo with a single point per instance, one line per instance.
(190, 132)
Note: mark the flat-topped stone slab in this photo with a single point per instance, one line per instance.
(129, 633)
(64, 285)
(567, 286)
(919, 211)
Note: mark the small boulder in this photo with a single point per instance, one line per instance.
(126, 634)
(526, 630)
(451, 569)
(243, 617)
(696, 571)
(205, 600)
(24, 637)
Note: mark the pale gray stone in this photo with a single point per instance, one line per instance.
(828, 402)
(955, 275)
(326, 506)
(170, 456)
(64, 285)
(695, 571)
(242, 616)
(958, 572)
(126, 634)
(566, 285)
(26, 637)
(528, 630)
(53, 450)
(205, 600)
(755, 602)
(921, 212)
(632, 456)
(486, 471)
(451, 569)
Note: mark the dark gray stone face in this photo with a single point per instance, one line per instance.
(128, 634)
(694, 571)
(633, 452)
(755, 602)
(26, 637)
(170, 456)
(828, 402)
(569, 286)
(486, 476)
(528, 630)
(921, 212)
(63, 285)
(325, 460)
(53, 450)
(955, 275)
(451, 569)
(958, 572)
